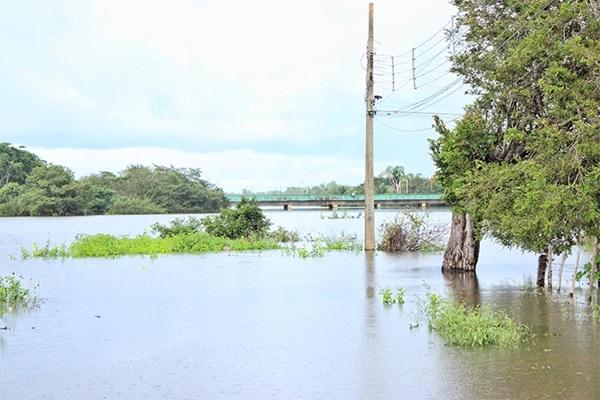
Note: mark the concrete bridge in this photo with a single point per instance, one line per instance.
(287, 202)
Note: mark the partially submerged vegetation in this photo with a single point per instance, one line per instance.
(388, 298)
(12, 293)
(318, 247)
(103, 245)
(239, 229)
(460, 325)
(411, 231)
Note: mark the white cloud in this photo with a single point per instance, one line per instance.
(190, 74)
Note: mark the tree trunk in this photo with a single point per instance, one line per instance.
(574, 281)
(550, 255)
(462, 251)
(592, 265)
(563, 258)
(541, 272)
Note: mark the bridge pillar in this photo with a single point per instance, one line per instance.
(286, 207)
(424, 206)
(332, 206)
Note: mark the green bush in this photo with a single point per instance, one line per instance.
(244, 221)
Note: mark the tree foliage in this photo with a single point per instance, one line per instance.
(34, 188)
(244, 221)
(525, 158)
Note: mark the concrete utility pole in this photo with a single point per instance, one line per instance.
(369, 180)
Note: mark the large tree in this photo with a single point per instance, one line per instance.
(535, 67)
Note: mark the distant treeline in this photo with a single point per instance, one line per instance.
(392, 180)
(30, 186)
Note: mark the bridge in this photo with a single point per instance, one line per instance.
(332, 202)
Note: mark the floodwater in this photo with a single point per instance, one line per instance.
(270, 326)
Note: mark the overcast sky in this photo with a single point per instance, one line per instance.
(258, 94)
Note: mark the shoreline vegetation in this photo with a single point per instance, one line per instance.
(243, 228)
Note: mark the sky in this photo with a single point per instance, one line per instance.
(258, 94)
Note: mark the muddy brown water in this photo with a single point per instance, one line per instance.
(270, 326)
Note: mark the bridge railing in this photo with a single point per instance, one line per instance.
(343, 197)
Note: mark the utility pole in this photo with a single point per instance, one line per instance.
(369, 180)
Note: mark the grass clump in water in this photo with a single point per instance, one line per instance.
(388, 298)
(460, 325)
(12, 293)
(317, 247)
(45, 251)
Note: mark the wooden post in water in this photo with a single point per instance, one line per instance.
(369, 179)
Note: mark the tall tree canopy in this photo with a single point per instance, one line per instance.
(35, 188)
(535, 68)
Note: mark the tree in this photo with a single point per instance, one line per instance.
(535, 67)
(456, 153)
(246, 220)
(395, 175)
(16, 164)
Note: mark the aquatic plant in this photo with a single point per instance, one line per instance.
(317, 247)
(459, 325)
(12, 293)
(178, 226)
(282, 235)
(246, 220)
(388, 298)
(411, 231)
(45, 251)
(103, 245)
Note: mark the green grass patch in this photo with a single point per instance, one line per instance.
(103, 245)
(459, 325)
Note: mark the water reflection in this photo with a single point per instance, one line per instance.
(463, 287)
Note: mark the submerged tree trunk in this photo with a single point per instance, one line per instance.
(541, 272)
(574, 279)
(592, 265)
(550, 255)
(563, 258)
(462, 251)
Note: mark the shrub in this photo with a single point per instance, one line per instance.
(178, 226)
(283, 235)
(411, 232)
(460, 325)
(12, 293)
(244, 221)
